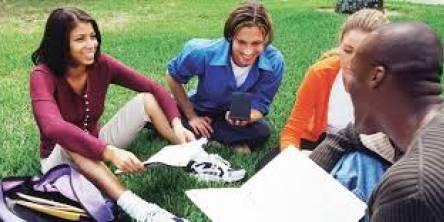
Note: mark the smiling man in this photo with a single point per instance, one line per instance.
(242, 61)
(394, 80)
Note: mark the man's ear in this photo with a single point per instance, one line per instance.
(377, 76)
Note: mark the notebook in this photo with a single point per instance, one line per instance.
(290, 188)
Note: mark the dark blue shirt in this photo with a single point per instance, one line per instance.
(209, 60)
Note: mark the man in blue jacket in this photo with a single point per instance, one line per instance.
(242, 61)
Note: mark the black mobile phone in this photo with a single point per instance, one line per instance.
(240, 106)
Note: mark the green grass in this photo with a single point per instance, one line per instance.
(146, 35)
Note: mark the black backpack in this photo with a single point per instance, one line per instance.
(351, 6)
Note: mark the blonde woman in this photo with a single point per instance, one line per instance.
(322, 105)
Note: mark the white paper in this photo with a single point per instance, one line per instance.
(290, 188)
(225, 204)
(178, 155)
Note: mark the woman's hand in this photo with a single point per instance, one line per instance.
(182, 133)
(122, 159)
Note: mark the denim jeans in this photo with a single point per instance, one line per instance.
(360, 172)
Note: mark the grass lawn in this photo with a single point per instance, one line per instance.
(146, 35)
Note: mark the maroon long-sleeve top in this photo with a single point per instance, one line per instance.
(71, 120)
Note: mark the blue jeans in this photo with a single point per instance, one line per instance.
(360, 172)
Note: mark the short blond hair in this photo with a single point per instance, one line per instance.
(366, 20)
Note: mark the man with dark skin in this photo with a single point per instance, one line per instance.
(394, 80)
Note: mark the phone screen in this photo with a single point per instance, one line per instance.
(240, 106)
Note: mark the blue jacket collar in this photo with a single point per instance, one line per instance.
(222, 57)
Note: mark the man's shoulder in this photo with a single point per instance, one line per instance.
(399, 183)
(273, 54)
(419, 174)
(430, 145)
(272, 59)
(421, 169)
(413, 178)
(204, 47)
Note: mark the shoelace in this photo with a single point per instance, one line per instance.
(216, 159)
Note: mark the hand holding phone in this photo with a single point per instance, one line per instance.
(240, 108)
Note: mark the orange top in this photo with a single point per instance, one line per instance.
(308, 119)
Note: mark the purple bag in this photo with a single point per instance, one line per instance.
(62, 184)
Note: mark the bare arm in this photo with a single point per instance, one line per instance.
(181, 97)
(200, 125)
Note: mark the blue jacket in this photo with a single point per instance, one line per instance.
(209, 60)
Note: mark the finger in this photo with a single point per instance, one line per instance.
(241, 123)
(227, 116)
(190, 136)
(126, 166)
(195, 129)
(244, 123)
(137, 164)
(132, 167)
(123, 168)
(181, 137)
(208, 127)
(179, 133)
(203, 130)
(207, 119)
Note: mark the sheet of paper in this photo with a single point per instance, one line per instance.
(290, 188)
(224, 204)
(178, 155)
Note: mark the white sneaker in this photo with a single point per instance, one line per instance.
(212, 167)
(154, 213)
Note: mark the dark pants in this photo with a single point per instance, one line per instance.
(253, 135)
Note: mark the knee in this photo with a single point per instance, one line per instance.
(148, 98)
(262, 130)
(150, 103)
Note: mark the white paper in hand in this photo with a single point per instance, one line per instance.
(290, 188)
(178, 155)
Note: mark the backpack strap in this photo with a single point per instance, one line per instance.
(75, 186)
(90, 197)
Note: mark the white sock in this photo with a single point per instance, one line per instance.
(139, 209)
